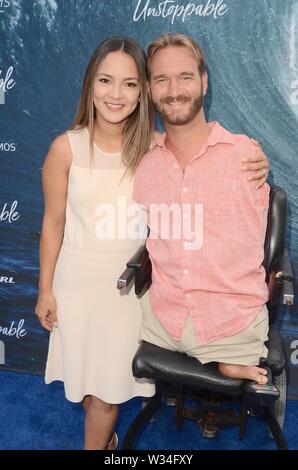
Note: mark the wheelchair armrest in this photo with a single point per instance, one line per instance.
(287, 278)
(137, 260)
(288, 293)
(286, 266)
(281, 281)
(126, 278)
(139, 270)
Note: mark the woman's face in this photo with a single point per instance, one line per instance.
(116, 87)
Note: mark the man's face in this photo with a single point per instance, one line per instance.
(176, 87)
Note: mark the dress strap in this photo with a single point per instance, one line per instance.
(79, 142)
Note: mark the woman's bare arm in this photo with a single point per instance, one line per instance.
(55, 182)
(257, 165)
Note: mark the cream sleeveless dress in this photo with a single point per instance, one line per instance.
(98, 326)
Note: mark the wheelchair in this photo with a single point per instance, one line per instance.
(178, 375)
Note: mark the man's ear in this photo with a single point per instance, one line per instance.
(205, 82)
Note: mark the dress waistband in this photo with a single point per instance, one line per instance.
(124, 255)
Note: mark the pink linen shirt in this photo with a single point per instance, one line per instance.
(219, 279)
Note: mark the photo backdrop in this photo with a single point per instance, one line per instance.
(45, 45)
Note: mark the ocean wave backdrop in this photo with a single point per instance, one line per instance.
(45, 45)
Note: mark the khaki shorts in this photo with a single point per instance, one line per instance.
(243, 348)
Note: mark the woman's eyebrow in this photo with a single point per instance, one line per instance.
(105, 74)
(110, 76)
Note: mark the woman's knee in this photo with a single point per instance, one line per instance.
(102, 405)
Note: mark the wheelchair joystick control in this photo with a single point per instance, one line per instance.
(262, 394)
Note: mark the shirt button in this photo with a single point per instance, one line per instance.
(175, 166)
(185, 271)
(188, 296)
(185, 216)
(185, 189)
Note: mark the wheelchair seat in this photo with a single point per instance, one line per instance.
(152, 361)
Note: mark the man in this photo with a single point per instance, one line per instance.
(208, 294)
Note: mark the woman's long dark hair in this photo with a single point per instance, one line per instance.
(138, 129)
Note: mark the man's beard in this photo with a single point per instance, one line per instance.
(194, 110)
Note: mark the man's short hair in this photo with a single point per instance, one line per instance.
(177, 40)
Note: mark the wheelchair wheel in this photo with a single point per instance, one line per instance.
(279, 406)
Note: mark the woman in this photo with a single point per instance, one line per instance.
(87, 174)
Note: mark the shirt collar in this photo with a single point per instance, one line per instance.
(218, 135)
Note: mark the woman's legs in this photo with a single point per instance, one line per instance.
(100, 419)
(86, 402)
